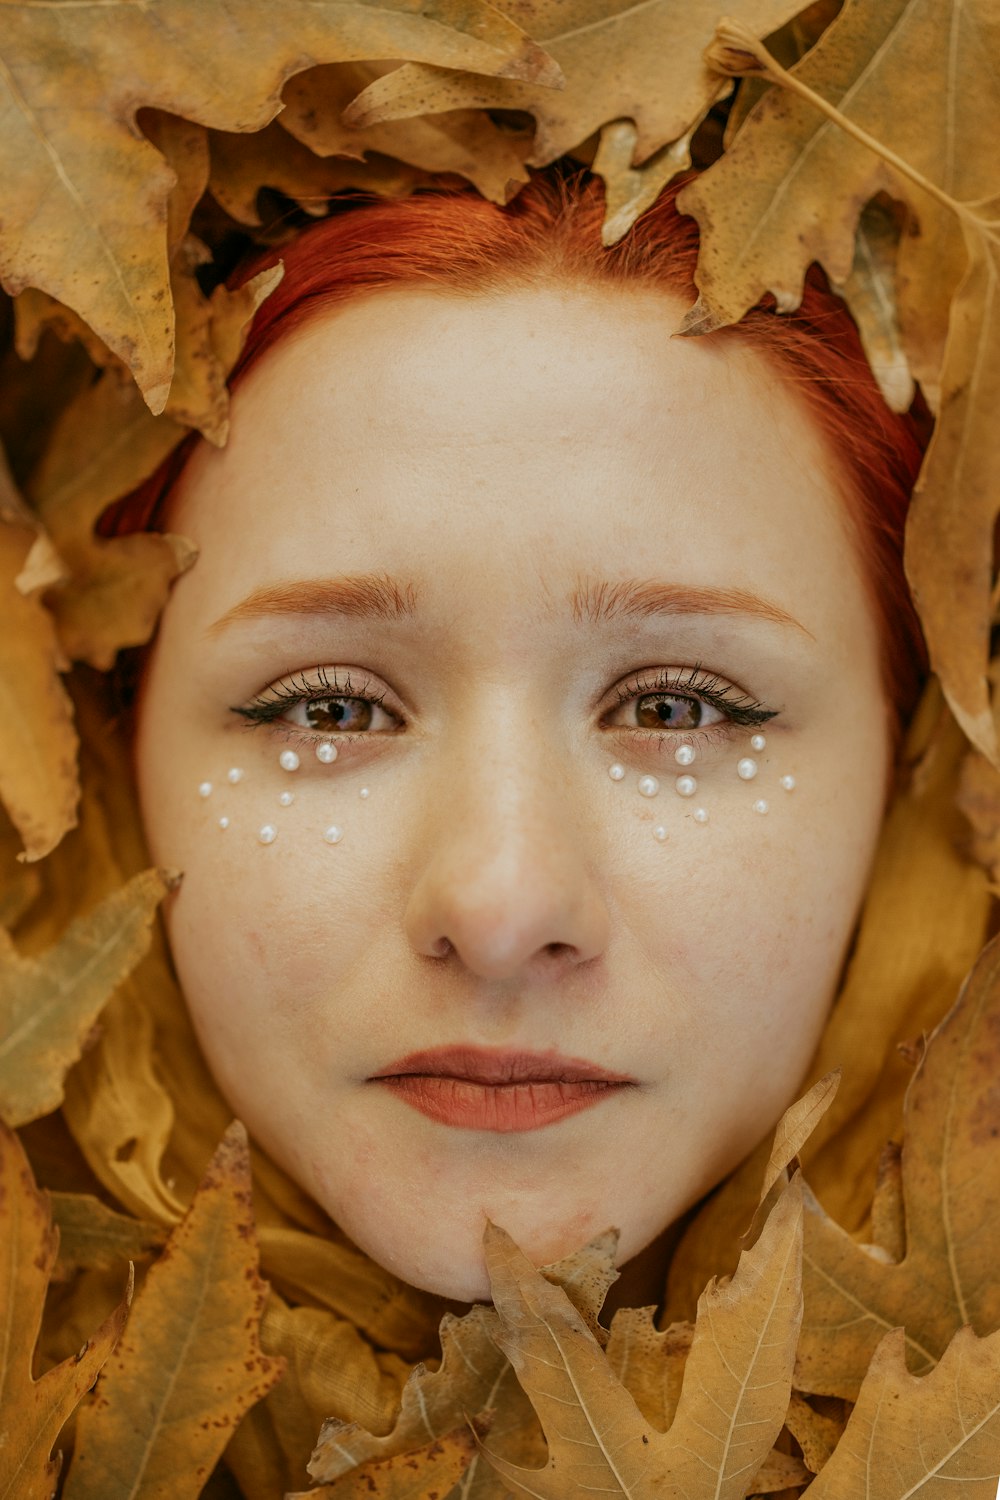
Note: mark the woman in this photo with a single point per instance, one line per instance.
(525, 728)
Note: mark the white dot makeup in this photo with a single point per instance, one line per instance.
(267, 832)
(747, 769)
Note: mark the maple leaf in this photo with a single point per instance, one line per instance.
(733, 1399)
(621, 59)
(48, 1005)
(72, 82)
(950, 1169)
(32, 1412)
(190, 1363)
(908, 1436)
(790, 190)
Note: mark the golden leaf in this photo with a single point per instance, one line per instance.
(73, 154)
(38, 778)
(432, 1470)
(790, 190)
(466, 142)
(190, 1363)
(935, 1437)
(734, 1395)
(49, 1005)
(950, 1170)
(629, 190)
(32, 1412)
(620, 60)
(94, 1237)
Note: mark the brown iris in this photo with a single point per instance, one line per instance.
(670, 712)
(328, 714)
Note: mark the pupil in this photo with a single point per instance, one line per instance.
(332, 713)
(673, 712)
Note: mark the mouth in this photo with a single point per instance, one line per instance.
(474, 1088)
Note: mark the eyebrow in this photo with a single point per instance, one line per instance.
(598, 602)
(376, 596)
(362, 596)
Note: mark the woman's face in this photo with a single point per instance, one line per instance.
(509, 555)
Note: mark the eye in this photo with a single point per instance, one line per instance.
(682, 701)
(319, 703)
(673, 711)
(340, 715)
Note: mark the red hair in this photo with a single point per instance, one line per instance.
(453, 239)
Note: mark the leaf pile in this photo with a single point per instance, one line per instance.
(142, 148)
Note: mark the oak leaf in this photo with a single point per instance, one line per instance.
(790, 190)
(190, 1363)
(950, 1169)
(48, 1005)
(73, 154)
(621, 60)
(32, 1412)
(734, 1395)
(433, 1470)
(909, 1436)
(95, 1237)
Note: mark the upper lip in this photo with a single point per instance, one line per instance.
(490, 1066)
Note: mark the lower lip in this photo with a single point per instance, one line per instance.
(502, 1107)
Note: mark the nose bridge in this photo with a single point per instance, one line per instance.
(508, 871)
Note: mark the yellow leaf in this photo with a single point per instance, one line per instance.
(733, 1399)
(621, 60)
(934, 1438)
(790, 190)
(94, 1237)
(38, 779)
(430, 1471)
(72, 157)
(629, 190)
(190, 1364)
(32, 1412)
(49, 1005)
(467, 142)
(950, 1170)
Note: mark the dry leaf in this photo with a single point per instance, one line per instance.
(816, 1433)
(32, 1412)
(733, 1399)
(423, 1473)
(839, 131)
(49, 1005)
(620, 60)
(190, 1363)
(38, 778)
(94, 1237)
(870, 293)
(467, 142)
(73, 155)
(629, 190)
(935, 1437)
(950, 1174)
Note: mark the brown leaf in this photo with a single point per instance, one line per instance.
(649, 1362)
(978, 797)
(620, 60)
(816, 1433)
(190, 1364)
(870, 293)
(38, 778)
(72, 155)
(466, 142)
(629, 190)
(950, 1169)
(935, 1437)
(430, 1471)
(733, 1399)
(791, 189)
(32, 1412)
(94, 1237)
(49, 1005)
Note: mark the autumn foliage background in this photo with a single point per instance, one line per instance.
(833, 1339)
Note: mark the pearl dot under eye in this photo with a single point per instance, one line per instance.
(700, 815)
(648, 786)
(234, 775)
(616, 772)
(760, 806)
(684, 755)
(757, 742)
(205, 790)
(788, 782)
(660, 833)
(333, 834)
(746, 769)
(686, 786)
(267, 834)
(326, 752)
(286, 799)
(288, 760)
(223, 823)
(364, 792)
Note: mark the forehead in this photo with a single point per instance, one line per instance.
(518, 434)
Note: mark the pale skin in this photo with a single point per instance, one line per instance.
(497, 887)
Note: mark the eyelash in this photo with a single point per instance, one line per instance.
(692, 683)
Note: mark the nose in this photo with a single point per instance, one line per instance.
(508, 881)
